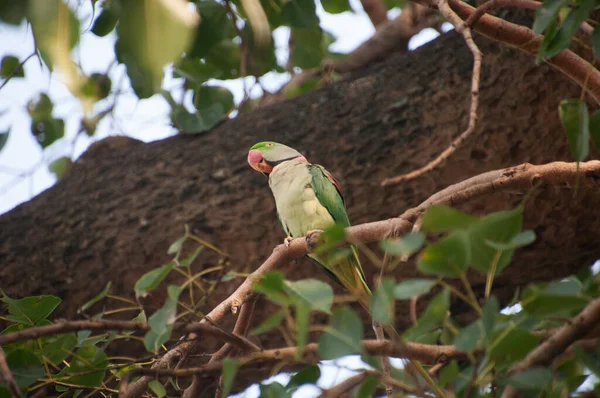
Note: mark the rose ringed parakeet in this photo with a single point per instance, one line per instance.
(308, 198)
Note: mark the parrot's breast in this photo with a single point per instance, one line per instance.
(297, 205)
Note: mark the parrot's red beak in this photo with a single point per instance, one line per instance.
(257, 162)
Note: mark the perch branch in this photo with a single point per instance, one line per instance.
(577, 328)
(465, 31)
(513, 178)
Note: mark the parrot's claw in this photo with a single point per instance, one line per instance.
(287, 241)
(312, 238)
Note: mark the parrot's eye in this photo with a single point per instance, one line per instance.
(269, 145)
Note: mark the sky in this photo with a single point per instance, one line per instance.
(24, 166)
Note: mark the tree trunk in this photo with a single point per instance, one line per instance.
(117, 211)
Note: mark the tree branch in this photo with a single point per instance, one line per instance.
(376, 11)
(520, 177)
(106, 325)
(419, 352)
(577, 328)
(570, 64)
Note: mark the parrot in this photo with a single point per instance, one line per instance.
(308, 198)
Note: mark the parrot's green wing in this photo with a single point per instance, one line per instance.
(329, 195)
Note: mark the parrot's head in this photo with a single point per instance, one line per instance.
(264, 156)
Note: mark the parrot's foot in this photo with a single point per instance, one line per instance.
(312, 238)
(287, 241)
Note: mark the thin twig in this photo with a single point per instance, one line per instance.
(465, 30)
(14, 71)
(7, 377)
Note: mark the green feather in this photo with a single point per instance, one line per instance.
(328, 194)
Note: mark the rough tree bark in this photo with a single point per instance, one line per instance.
(115, 214)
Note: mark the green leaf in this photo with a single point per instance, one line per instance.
(89, 364)
(108, 18)
(300, 14)
(316, 294)
(55, 29)
(490, 311)
(336, 6)
(47, 131)
(553, 305)
(510, 345)
(594, 121)
(270, 323)
(412, 288)
(561, 39)
(158, 389)
(226, 56)
(498, 227)
(206, 96)
(443, 218)
(367, 387)
(591, 360)
(522, 239)
(186, 262)
(25, 366)
(310, 46)
(13, 11)
(30, 310)
(406, 245)
(535, 378)
(308, 375)
(574, 116)
(468, 337)
(3, 139)
(96, 87)
(196, 72)
(263, 56)
(161, 322)
(596, 41)
(214, 27)
(97, 298)
(152, 34)
(432, 318)
(546, 14)
(57, 348)
(60, 166)
(272, 285)
(230, 367)
(449, 256)
(152, 279)
(382, 302)
(448, 374)
(302, 321)
(176, 246)
(567, 287)
(11, 66)
(273, 390)
(342, 336)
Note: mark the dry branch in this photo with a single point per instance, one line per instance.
(6, 376)
(419, 352)
(577, 328)
(521, 177)
(111, 325)
(464, 29)
(376, 11)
